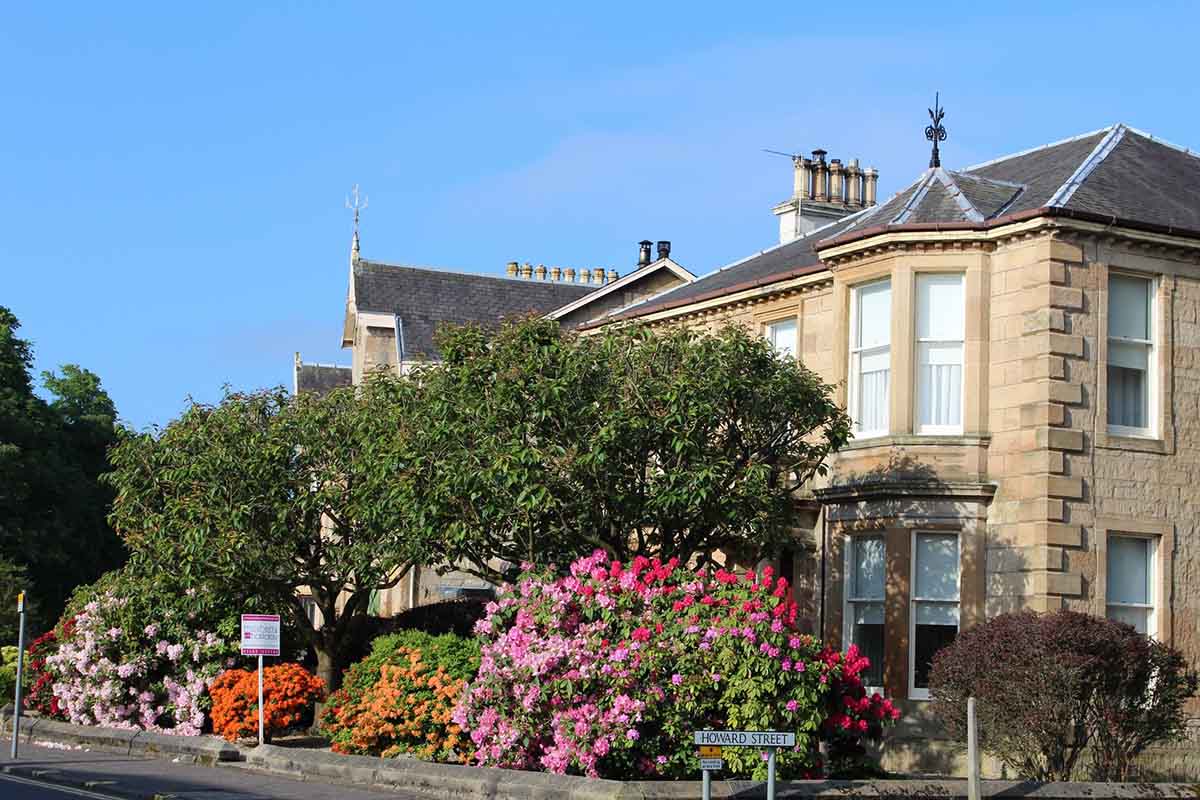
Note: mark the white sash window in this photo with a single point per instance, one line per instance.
(934, 611)
(782, 336)
(1131, 373)
(863, 613)
(1129, 595)
(870, 357)
(939, 346)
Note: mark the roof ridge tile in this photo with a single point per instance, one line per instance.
(1094, 159)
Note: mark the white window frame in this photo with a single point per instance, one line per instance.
(856, 354)
(769, 331)
(915, 693)
(1151, 431)
(1153, 590)
(939, 430)
(848, 600)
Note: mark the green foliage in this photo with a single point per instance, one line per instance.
(13, 579)
(531, 444)
(52, 505)
(276, 493)
(8, 674)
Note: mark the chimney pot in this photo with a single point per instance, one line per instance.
(819, 155)
(555, 273)
(526, 270)
(541, 272)
(871, 179)
(598, 275)
(511, 269)
(613, 275)
(644, 252)
(569, 275)
(664, 249)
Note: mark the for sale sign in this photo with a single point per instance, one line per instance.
(260, 634)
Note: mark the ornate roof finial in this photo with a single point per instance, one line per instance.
(935, 132)
(356, 206)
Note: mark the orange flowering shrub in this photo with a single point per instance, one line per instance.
(407, 708)
(289, 691)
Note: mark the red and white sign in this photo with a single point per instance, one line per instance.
(260, 634)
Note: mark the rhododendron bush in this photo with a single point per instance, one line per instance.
(120, 670)
(609, 671)
(289, 693)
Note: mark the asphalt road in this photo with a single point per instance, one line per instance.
(21, 789)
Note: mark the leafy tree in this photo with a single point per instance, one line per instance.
(52, 505)
(279, 494)
(531, 444)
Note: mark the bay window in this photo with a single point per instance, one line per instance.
(1130, 578)
(782, 336)
(870, 357)
(863, 613)
(1131, 373)
(939, 353)
(934, 604)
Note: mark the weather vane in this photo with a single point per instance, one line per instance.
(356, 205)
(936, 132)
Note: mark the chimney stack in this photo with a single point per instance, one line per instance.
(613, 275)
(664, 249)
(511, 269)
(644, 252)
(598, 276)
(820, 177)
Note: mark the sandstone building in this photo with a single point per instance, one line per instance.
(1018, 344)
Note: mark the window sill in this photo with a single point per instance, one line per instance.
(1138, 444)
(909, 439)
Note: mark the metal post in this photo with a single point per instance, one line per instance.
(20, 670)
(973, 788)
(771, 774)
(260, 699)
(706, 782)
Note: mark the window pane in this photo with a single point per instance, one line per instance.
(939, 385)
(874, 314)
(867, 580)
(937, 566)
(783, 337)
(1128, 398)
(929, 639)
(872, 397)
(1128, 570)
(867, 634)
(1139, 618)
(1128, 307)
(940, 307)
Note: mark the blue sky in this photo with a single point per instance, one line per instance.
(174, 174)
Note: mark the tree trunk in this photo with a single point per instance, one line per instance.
(327, 669)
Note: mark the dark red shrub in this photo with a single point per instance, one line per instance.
(1047, 686)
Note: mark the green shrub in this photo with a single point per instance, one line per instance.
(8, 674)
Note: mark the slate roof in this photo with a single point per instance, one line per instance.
(424, 298)
(321, 378)
(1117, 175)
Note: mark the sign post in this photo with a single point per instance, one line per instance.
(20, 669)
(765, 740)
(260, 637)
(973, 788)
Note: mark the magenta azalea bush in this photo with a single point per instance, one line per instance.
(609, 671)
(108, 671)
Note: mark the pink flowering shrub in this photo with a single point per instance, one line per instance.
(607, 672)
(114, 672)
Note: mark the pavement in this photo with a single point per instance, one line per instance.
(57, 773)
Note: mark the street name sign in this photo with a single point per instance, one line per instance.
(712, 764)
(260, 634)
(746, 738)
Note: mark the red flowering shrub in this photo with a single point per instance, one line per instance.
(607, 672)
(289, 692)
(40, 697)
